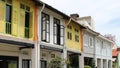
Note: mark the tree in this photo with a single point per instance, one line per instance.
(58, 62)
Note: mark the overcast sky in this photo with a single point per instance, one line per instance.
(105, 13)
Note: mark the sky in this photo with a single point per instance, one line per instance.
(105, 13)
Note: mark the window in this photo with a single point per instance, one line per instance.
(25, 7)
(43, 64)
(69, 35)
(69, 27)
(52, 55)
(27, 17)
(8, 15)
(76, 35)
(27, 23)
(25, 63)
(8, 62)
(85, 40)
(9, 1)
(76, 30)
(58, 31)
(8, 18)
(76, 38)
(102, 44)
(45, 27)
(3, 0)
(91, 41)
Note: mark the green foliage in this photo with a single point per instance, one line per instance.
(86, 66)
(58, 62)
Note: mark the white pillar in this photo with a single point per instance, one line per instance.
(107, 63)
(101, 64)
(79, 58)
(34, 56)
(65, 57)
(38, 52)
(98, 63)
(81, 61)
(110, 63)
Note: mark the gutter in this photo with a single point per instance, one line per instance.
(38, 42)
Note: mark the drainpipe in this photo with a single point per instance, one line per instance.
(65, 48)
(38, 42)
(68, 22)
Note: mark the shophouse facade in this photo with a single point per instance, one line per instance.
(16, 33)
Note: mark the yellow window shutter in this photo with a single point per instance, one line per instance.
(31, 25)
(15, 21)
(2, 17)
(22, 22)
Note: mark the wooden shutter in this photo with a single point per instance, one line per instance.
(2, 17)
(22, 22)
(31, 25)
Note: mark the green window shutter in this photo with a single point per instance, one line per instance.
(15, 21)
(2, 17)
(31, 25)
(22, 21)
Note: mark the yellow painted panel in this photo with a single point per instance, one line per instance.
(22, 20)
(2, 16)
(15, 17)
(2, 26)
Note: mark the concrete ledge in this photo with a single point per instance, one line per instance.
(49, 46)
(16, 41)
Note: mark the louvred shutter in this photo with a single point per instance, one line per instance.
(31, 25)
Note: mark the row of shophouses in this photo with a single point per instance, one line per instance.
(32, 33)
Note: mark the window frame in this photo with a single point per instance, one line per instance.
(8, 24)
(91, 41)
(26, 28)
(28, 62)
(77, 37)
(69, 33)
(55, 24)
(42, 30)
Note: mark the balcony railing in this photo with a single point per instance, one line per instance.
(8, 28)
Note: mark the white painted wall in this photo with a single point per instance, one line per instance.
(47, 54)
(52, 15)
(88, 48)
(103, 48)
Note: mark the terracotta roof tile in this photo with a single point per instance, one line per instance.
(114, 53)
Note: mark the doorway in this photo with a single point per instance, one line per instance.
(74, 60)
(8, 62)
